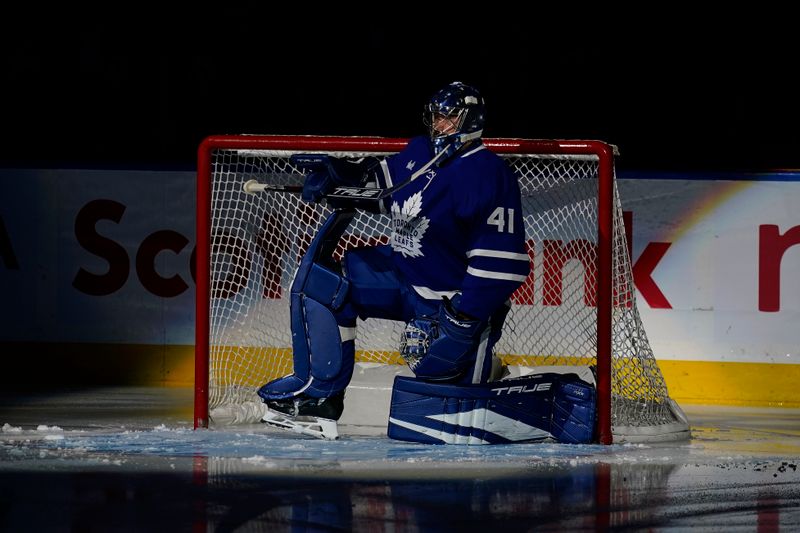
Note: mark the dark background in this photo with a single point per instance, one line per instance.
(144, 87)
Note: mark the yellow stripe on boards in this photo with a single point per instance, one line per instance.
(42, 364)
(727, 383)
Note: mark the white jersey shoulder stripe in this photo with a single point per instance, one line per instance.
(482, 252)
(478, 149)
(478, 273)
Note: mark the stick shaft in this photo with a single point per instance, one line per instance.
(253, 186)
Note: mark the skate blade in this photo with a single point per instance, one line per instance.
(321, 428)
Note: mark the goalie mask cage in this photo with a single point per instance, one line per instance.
(577, 306)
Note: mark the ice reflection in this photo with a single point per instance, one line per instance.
(589, 496)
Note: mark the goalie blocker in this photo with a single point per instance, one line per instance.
(547, 406)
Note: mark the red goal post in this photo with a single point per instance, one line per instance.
(576, 179)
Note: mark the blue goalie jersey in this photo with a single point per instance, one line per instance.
(457, 227)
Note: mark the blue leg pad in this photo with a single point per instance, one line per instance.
(574, 408)
(532, 408)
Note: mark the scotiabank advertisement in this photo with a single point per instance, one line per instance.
(95, 256)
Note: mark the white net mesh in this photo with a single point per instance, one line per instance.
(258, 239)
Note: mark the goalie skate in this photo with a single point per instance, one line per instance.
(320, 428)
(315, 417)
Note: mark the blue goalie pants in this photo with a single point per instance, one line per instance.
(378, 291)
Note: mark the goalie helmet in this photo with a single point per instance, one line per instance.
(454, 116)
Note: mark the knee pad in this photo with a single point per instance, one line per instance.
(320, 324)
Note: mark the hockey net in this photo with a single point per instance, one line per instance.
(576, 308)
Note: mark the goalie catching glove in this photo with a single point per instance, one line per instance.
(443, 347)
(326, 172)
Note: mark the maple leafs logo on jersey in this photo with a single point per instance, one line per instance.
(407, 227)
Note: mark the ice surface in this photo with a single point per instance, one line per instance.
(78, 449)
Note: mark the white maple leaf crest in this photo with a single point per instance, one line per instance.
(408, 228)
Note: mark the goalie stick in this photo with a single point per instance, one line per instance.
(343, 196)
(353, 197)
